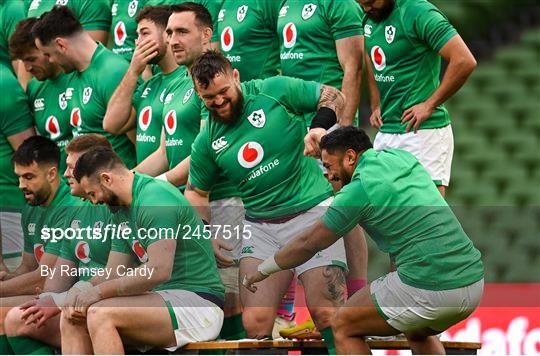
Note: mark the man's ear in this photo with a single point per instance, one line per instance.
(106, 179)
(207, 35)
(236, 76)
(61, 44)
(350, 157)
(52, 173)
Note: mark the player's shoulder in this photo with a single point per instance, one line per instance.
(109, 61)
(155, 192)
(411, 9)
(33, 87)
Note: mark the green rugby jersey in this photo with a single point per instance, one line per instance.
(92, 90)
(91, 250)
(248, 37)
(262, 153)
(94, 15)
(15, 117)
(156, 205)
(148, 102)
(36, 220)
(49, 102)
(123, 31)
(394, 199)
(11, 12)
(308, 31)
(404, 56)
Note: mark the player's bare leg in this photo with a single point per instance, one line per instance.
(136, 320)
(6, 304)
(260, 308)
(325, 292)
(49, 333)
(355, 320)
(442, 190)
(423, 342)
(357, 259)
(75, 337)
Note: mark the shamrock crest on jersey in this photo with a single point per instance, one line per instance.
(87, 94)
(187, 96)
(132, 8)
(389, 33)
(241, 13)
(308, 11)
(257, 118)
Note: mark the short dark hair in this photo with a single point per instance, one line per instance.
(203, 18)
(157, 14)
(83, 143)
(59, 22)
(345, 138)
(96, 161)
(22, 40)
(38, 149)
(207, 66)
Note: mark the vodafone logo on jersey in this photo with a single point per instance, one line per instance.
(82, 251)
(120, 33)
(52, 127)
(227, 39)
(139, 250)
(75, 118)
(39, 250)
(145, 118)
(250, 154)
(170, 122)
(378, 58)
(289, 35)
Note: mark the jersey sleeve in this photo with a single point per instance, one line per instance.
(344, 18)
(203, 170)
(109, 81)
(28, 244)
(15, 115)
(66, 252)
(95, 15)
(297, 95)
(429, 25)
(349, 207)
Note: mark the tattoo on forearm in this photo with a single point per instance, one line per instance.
(335, 281)
(331, 98)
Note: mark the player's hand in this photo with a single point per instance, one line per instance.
(223, 261)
(144, 52)
(250, 279)
(312, 141)
(416, 115)
(69, 306)
(376, 119)
(39, 310)
(86, 298)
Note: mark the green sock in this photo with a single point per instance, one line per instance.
(328, 337)
(232, 328)
(5, 348)
(22, 345)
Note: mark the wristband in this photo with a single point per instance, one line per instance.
(58, 298)
(269, 266)
(162, 177)
(325, 118)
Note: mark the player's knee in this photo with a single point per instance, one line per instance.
(97, 317)
(13, 324)
(322, 316)
(341, 323)
(257, 323)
